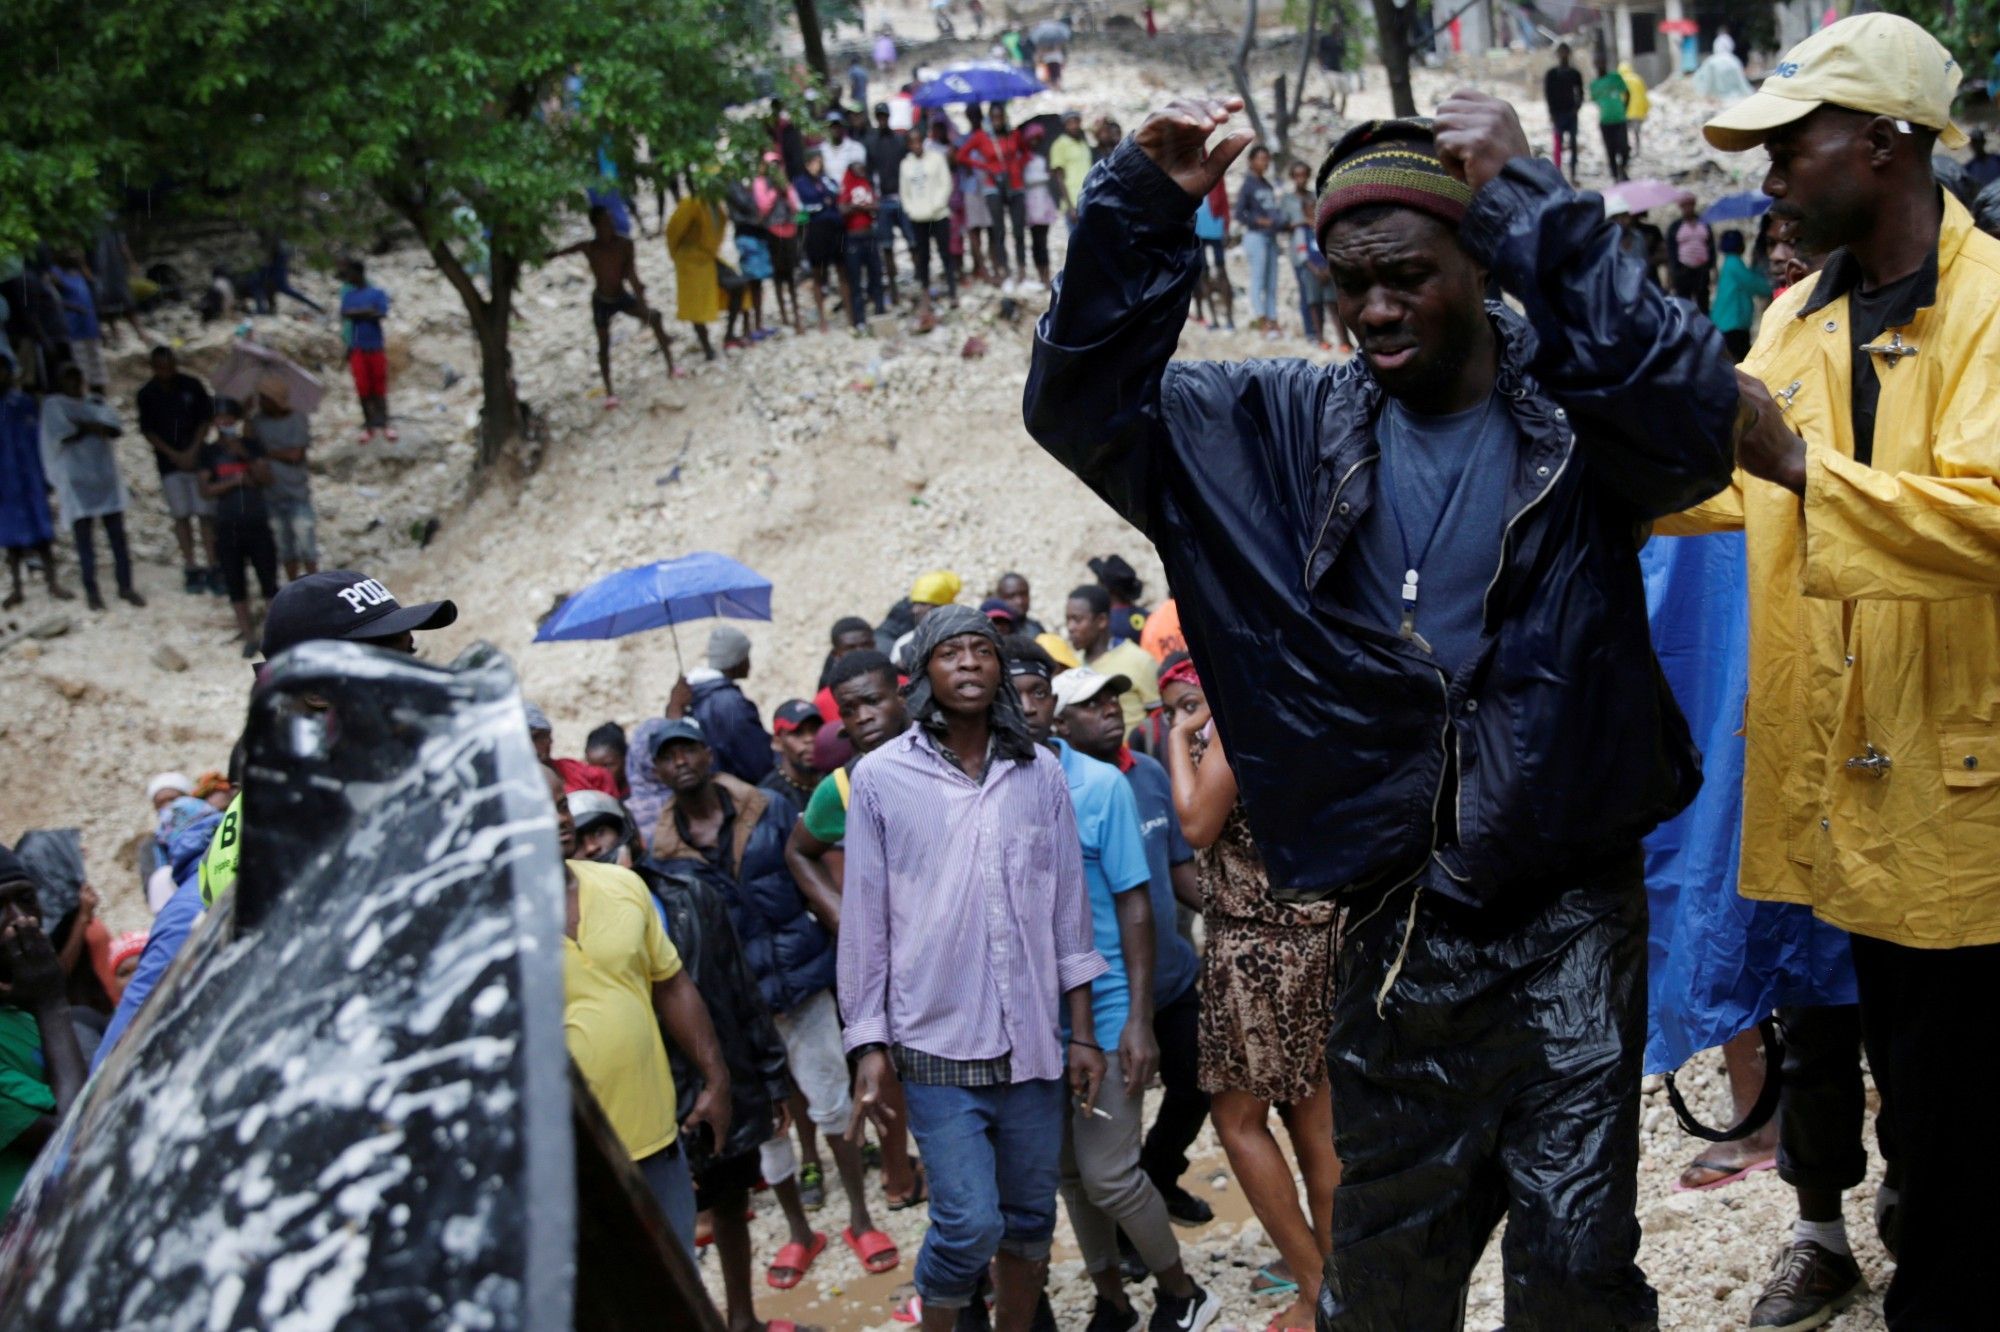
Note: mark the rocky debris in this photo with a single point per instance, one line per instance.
(169, 659)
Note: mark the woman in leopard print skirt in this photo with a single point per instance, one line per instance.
(1266, 1004)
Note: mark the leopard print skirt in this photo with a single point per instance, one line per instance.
(1266, 978)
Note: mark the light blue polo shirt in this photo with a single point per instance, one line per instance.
(1114, 862)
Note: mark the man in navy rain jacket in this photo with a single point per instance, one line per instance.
(1411, 585)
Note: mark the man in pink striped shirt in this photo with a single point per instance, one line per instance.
(963, 921)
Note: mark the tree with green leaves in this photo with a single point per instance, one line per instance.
(479, 123)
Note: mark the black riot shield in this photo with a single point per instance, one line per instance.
(349, 1103)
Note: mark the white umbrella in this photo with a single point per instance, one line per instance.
(250, 362)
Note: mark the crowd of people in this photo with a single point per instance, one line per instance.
(1353, 826)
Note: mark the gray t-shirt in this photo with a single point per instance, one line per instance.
(289, 481)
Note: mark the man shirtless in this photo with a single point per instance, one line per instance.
(619, 291)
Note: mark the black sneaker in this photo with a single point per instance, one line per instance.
(194, 581)
(1108, 1317)
(1192, 1314)
(1184, 1209)
(1809, 1286)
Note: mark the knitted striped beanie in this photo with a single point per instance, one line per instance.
(1388, 162)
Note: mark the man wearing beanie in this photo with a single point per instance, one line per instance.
(1867, 495)
(1411, 584)
(709, 695)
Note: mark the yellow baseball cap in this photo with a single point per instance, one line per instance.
(1882, 64)
(939, 587)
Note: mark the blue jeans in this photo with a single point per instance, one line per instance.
(993, 1157)
(890, 222)
(1311, 296)
(1261, 249)
(667, 1173)
(861, 255)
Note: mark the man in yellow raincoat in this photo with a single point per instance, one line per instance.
(1869, 490)
(1637, 104)
(694, 242)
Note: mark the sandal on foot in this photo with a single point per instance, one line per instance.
(796, 1259)
(1279, 1285)
(921, 1193)
(913, 1312)
(1726, 1175)
(876, 1251)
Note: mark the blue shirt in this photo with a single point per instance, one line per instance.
(1440, 505)
(367, 332)
(1207, 226)
(79, 306)
(1174, 962)
(170, 930)
(1114, 862)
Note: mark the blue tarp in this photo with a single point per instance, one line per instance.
(1718, 962)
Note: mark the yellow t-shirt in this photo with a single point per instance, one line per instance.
(620, 949)
(1137, 665)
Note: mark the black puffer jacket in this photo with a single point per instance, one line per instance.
(698, 923)
(1250, 476)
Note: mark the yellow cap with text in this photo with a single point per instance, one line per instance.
(1882, 64)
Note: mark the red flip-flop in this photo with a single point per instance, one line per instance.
(872, 1247)
(1768, 1163)
(795, 1258)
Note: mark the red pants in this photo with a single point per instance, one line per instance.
(371, 373)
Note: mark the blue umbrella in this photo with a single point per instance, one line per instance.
(1736, 207)
(700, 586)
(978, 81)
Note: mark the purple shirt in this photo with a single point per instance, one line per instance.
(963, 916)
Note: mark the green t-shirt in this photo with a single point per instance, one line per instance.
(826, 812)
(25, 1095)
(1611, 95)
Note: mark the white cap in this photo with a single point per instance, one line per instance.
(1080, 684)
(169, 781)
(1615, 205)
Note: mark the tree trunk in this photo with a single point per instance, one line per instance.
(1392, 27)
(808, 12)
(499, 404)
(1239, 71)
(1291, 111)
(499, 409)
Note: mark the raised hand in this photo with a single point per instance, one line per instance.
(34, 975)
(1477, 136)
(1176, 138)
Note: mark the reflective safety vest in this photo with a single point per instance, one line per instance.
(218, 867)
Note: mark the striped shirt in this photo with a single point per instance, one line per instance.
(963, 917)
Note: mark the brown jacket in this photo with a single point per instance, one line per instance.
(750, 802)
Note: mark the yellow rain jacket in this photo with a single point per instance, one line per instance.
(1871, 789)
(694, 240)
(1637, 104)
